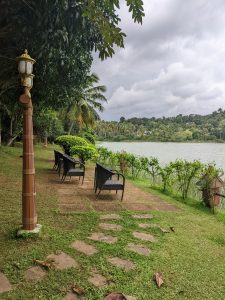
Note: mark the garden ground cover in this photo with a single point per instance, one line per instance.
(191, 258)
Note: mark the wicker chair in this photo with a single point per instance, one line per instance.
(103, 180)
(57, 155)
(72, 167)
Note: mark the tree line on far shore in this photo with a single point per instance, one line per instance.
(181, 128)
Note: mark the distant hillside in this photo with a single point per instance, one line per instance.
(173, 129)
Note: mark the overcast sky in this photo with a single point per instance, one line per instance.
(174, 63)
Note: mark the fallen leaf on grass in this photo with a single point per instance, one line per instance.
(172, 228)
(158, 279)
(78, 290)
(164, 230)
(115, 296)
(48, 264)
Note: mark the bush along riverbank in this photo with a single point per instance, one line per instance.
(181, 178)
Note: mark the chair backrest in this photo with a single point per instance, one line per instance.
(57, 155)
(101, 175)
(68, 164)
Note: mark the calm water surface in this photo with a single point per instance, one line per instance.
(166, 152)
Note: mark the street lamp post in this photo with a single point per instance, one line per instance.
(29, 215)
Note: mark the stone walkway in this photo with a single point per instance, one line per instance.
(73, 196)
(60, 260)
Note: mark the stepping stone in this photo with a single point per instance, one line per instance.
(108, 226)
(110, 217)
(121, 263)
(153, 226)
(34, 274)
(5, 285)
(140, 249)
(143, 216)
(115, 296)
(144, 236)
(62, 261)
(101, 237)
(84, 248)
(73, 296)
(98, 280)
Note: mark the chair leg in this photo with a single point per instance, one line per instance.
(122, 196)
(82, 180)
(116, 191)
(98, 194)
(63, 178)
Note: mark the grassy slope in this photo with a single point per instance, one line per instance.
(192, 259)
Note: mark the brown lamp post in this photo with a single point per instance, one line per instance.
(29, 215)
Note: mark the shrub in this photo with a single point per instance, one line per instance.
(104, 155)
(85, 152)
(153, 168)
(89, 137)
(69, 141)
(186, 172)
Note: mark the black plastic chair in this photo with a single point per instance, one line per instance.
(103, 180)
(73, 168)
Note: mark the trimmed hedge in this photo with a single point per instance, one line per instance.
(85, 152)
(69, 141)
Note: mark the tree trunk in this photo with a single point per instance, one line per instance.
(0, 131)
(11, 140)
(71, 127)
(46, 141)
(11, 128)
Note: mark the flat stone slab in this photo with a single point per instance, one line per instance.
(62, 261)
(5, 285)
(154, 226)
(98, 280)
(110, 217)
(143, 216)
(34, 274)
(84, 247)
(101, 237)
(144, 236)
(121, 263)
(115, 296)
(108, 226)
(73, 296)
(140, 249)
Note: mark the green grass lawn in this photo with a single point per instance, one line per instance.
(192, 258)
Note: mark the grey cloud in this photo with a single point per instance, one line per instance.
(172, 64)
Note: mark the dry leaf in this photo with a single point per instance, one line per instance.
(172, 228)
(158, 279)
(164, 230)
(115, 296)
(48, 264)
(78, 290)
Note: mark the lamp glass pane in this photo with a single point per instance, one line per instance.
(29, 82)
(29, 68)
(22, 67)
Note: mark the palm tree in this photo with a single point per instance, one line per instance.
(86, 103)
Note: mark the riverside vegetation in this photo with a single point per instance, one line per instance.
(180, 177)
(181, 128)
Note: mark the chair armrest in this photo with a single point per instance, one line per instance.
(82, 166)
(119, 175)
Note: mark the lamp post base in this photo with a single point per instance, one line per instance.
(30, 233)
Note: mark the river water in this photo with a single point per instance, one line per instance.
(166, 152)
